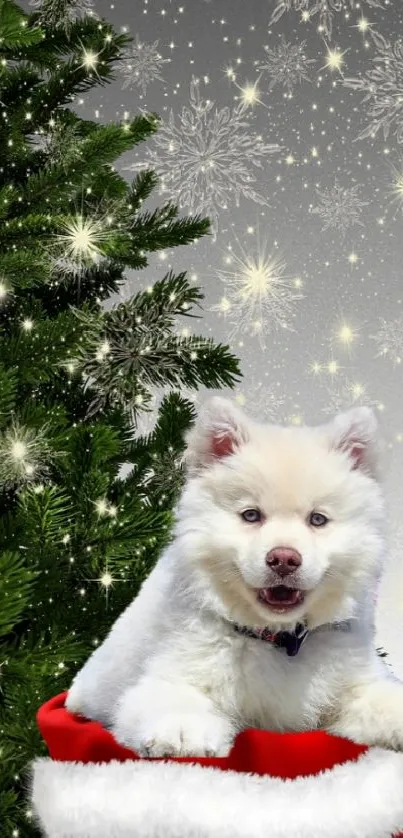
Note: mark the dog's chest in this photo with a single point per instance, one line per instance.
(269, 689)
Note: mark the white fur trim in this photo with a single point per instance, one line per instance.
(362, 799)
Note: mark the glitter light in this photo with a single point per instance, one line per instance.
(334, 60)
(90, 59)
(81, 240)
(260, 294)
(3, 291)
(24, 453)
(363, 25)
(333, 367)
(346, 335)
(27, 324)
(101, 506)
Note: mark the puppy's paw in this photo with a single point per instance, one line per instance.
(178, 735)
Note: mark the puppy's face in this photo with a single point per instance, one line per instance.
(285, 522)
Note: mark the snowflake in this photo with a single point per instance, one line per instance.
(62, 14)
(207, 159)
(286, 64)
(259, 294)
(259, 400)
(142, 64)
(343, 394)
(383, 86)
(389, 339)
(340, 207)
(324, 8)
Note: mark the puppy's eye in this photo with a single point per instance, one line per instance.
(251, 515)
(316, 519)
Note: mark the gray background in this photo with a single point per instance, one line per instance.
(307, 212)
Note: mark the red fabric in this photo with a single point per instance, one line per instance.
(73, 738)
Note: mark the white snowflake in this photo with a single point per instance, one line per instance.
(340, 207)
(62, 13)
(141, 65)
(389, 340)
(259, 400)
(325, 9)
(383, 89)
(342, 393)
(286, 64)
(206, 159)
(258, 294)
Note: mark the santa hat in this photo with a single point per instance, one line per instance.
(272, 785)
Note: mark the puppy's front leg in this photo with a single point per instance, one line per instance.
(371, 713)
(158, 718)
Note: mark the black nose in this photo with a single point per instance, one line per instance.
(283, 560)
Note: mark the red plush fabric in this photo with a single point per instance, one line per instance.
(288, 755)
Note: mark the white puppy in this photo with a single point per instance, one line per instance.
(277, 528)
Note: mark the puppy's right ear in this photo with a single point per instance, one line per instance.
(219, 430)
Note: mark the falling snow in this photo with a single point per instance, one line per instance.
(258, 294)
(286, 65)
(325, 9)
(339, 207)
(389, 340)
(141, 65)
(382, 85)
(206, 157)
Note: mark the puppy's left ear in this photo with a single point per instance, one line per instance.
(219, 430)
(356, 432)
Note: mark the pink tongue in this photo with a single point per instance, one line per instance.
(280, 594)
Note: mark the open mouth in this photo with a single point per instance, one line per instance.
(281, 598)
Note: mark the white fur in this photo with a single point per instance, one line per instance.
(362, 799)
(174, 678)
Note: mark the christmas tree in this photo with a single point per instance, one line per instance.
(78, 534)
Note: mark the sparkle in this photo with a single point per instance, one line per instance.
(90, 59)
(333, 367)
(3, 291)
(334, 60)
(82, 240)
(103, 350)
(27, 324)
(250, 94)
(316, 368)
(353, 258)
(346, 335)
(101, 506)
(106, 580)
(24, 454)
(343, 394)
(260, 294)
(363, 24)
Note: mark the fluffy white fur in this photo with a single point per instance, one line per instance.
(173, 677)
(362, 799)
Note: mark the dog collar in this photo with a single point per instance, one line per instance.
(291, 641)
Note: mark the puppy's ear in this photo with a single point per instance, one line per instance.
(219, 430)
(356, 433)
